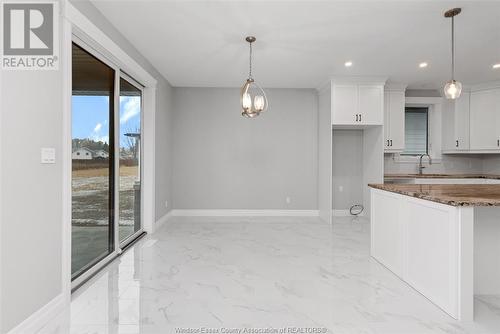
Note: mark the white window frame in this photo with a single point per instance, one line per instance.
(77, 24)
(434, 129)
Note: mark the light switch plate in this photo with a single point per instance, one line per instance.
(48, 155)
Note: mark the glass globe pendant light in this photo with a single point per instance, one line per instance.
(253, 98)
(453, 88)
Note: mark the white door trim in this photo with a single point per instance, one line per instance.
(74, 22)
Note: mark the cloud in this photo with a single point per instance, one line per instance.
(96, 136)
(131, 107)
(98, 127)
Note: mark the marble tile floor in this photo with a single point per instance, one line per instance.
(262, 275)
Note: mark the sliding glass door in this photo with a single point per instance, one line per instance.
(106, 160)
(92, 161)
(130, 159)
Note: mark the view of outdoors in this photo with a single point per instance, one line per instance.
(130, 174)
(93, 182)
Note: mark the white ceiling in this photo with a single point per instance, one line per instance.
(300, 44)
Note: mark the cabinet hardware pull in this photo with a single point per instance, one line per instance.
(360, 117)
(498, 142)
(356, 117)
(456, 145)
(391, 142)
(387, 142)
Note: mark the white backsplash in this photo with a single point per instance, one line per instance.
(491, 164)
(448, 164)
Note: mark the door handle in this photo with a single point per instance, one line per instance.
(456, 144)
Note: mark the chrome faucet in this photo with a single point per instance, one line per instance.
(420, 167)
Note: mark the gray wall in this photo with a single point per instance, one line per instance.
(347, 168)
(163, 149)
(31, 193)
(225, 161)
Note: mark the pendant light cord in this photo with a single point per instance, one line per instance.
(453, 48)
(250, 62)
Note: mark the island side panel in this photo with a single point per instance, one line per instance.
(466, 263)
(386, 230)
(429, 245)
(432, 251)
(487, 250)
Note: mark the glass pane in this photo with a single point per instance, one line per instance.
(415, 131)
(130, 158)
(92, 156)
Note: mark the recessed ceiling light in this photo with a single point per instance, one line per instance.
(348, 63)
(496, 66)
(423, 65)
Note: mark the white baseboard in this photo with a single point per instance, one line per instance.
(345, 213)
(162, 221)
(245, 213)
(42, 317)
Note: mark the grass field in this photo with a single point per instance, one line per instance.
(90, 211)
(124, 171)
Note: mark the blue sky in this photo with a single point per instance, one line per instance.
(91, 120)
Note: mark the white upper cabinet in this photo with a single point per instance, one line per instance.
(394, 120)
(371, 104)
(485, 120)
(357, 103)
(456, 126)
(345, 104)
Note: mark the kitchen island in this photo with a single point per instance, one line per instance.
(442, 239)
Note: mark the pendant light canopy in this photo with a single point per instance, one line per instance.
(453, 88)
(253, 98)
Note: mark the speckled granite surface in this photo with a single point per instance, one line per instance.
(442, 176)
(450, 194)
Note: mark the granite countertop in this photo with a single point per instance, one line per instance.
(442, 176)
(450, 194)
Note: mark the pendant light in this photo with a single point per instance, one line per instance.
(253, 98)
(453, 88)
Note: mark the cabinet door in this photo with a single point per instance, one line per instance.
(344, 104)
(449, 138)
(462, 108)
(484, 120)
(397, 121)
(387, 121)
(455, 124)
(371, 104)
